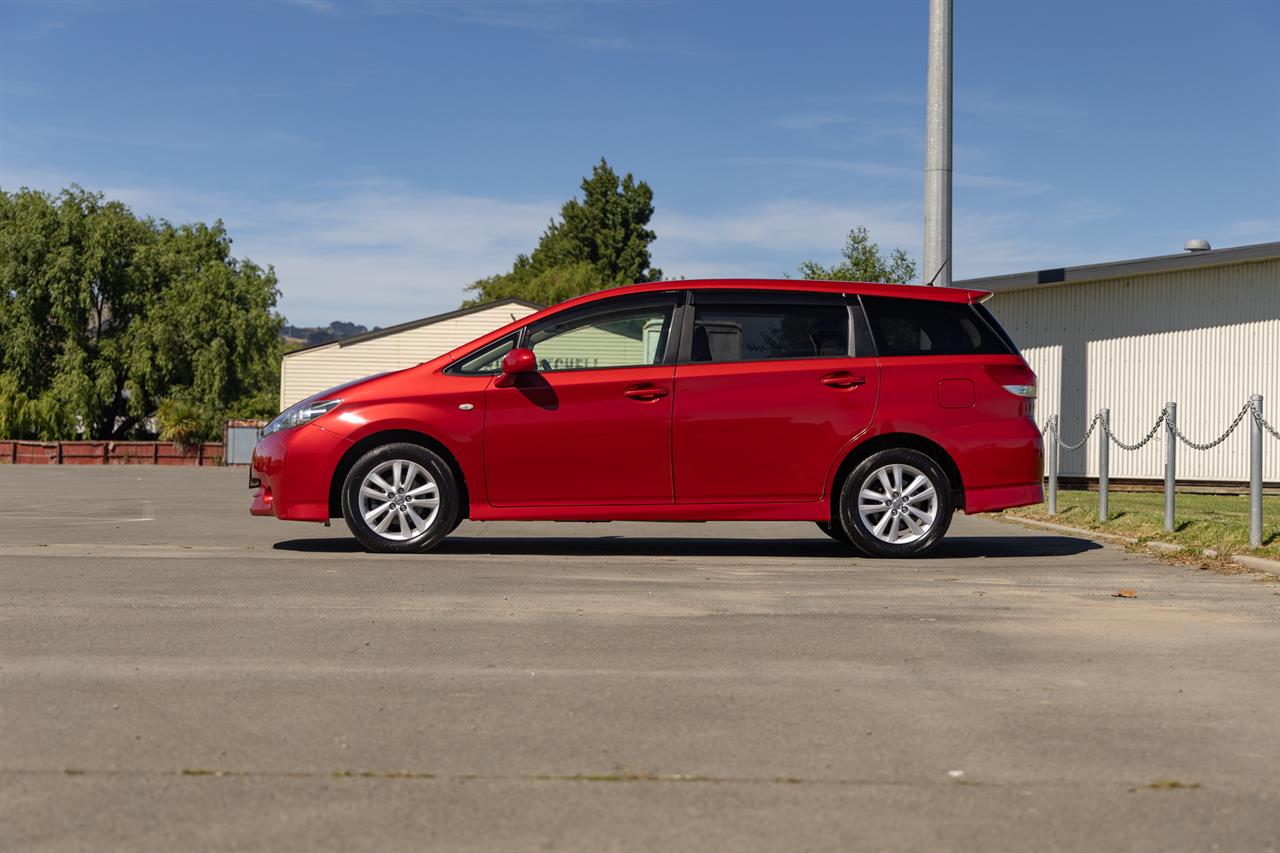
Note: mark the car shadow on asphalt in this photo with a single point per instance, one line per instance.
(951, 548)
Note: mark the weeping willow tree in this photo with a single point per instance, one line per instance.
(104, 314)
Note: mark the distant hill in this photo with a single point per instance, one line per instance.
(309, 336)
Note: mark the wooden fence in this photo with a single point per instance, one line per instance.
(107, 453)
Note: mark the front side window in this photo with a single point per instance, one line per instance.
(632, 336)
(487, 361)
(763, 331)
(924, 327)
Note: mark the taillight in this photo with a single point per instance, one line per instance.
(1018, 380)
(1014, 378)
(1021, 390)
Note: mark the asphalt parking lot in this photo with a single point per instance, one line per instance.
(175, 675)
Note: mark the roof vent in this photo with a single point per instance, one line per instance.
(1196, 246)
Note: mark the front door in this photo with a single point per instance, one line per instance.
(769, 389)
(593, 426)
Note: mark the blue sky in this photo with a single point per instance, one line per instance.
(383, 153)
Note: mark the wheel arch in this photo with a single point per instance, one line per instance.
(886, 441)
(395, 436)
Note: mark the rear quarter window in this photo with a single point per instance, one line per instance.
(904, 327)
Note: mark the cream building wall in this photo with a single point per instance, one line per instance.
(306, 372)
(1205, 338)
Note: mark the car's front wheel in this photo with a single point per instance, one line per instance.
(896, 503)
(835, 531)
(400, 498)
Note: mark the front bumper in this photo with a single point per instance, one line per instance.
(294, 468)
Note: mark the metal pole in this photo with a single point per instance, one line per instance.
(1170, 462)
(1104, 460)
(1052, 458)
(937, 158)
(1255, 473)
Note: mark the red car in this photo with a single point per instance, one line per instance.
(874, 410)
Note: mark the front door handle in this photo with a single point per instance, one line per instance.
(645, 392)
(843, 379)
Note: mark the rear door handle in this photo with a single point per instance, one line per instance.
(843, 379)
(645, 392)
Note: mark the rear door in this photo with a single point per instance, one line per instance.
(770, 386)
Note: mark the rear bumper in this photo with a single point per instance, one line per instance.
(1001, 497)
(294, 468)
(1001, 463)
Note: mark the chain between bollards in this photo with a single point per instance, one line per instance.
(1258, 429)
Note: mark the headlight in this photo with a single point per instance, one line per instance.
(298, 414)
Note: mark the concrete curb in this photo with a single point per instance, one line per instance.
(1066, 528)
(1257, 564)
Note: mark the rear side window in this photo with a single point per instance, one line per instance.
(985, 313)
(924, 327)
(767, 331)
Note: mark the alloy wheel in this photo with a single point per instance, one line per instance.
(399, 500)
(898, 504)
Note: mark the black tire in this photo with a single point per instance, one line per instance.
(867, 475)
(405, 513)
(835, 531)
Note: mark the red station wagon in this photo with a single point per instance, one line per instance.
(874, 410)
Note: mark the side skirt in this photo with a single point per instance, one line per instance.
(806, 511)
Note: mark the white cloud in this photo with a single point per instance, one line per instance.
(385, 255)
(772, 238)
(965, 180)
(500, 14)
(786, 225)
(812, 121)
(767, 240)
(1262, 230)
(854, 167)
(320, 7)
(606, 43)
(379, 251)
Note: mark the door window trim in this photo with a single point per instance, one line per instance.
(772, 297)
(521, 334)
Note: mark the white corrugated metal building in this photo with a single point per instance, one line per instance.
(311, 369)
(1201, 329)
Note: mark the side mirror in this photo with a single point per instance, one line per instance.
(514, 363)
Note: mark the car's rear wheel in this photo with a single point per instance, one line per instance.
(400, 498)
(896, 503)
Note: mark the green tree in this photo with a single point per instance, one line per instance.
(182, 423)
(601, 241)
(104, 314)
(862, 261)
